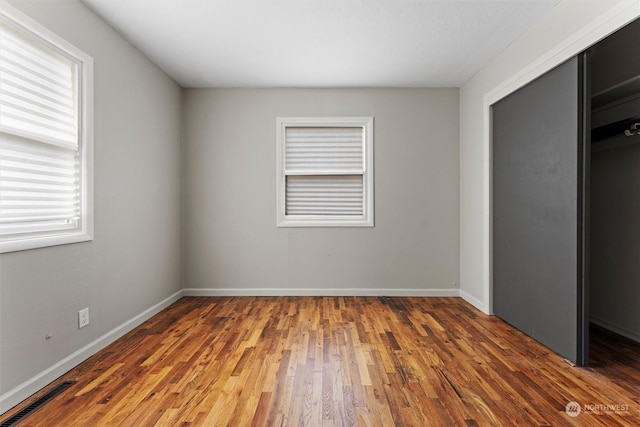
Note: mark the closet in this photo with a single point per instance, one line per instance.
(614, 293)
(566, 199)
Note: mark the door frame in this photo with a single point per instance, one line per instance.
(616, 18)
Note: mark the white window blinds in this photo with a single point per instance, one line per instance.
(39, 187)
(324, 168)
(38, 92)
(40, 161)
(324, 172)
(325, 149)
(324, 195)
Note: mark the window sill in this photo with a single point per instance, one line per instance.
(43, 241)
(339, 222)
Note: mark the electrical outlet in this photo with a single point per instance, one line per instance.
(83, 317)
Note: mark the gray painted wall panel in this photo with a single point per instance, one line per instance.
(134, 261)
(230, 161)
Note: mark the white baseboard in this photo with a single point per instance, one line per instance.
(480, 305)
(16, 395)
(632, 335)
(346, 292)
(13, 397)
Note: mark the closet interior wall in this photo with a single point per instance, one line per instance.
(614, 294)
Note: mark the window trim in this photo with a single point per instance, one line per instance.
(365, 220)
(32, 29)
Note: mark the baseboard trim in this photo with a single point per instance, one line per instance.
(350, 292)
(13, 397)
(632, 335)
(18, 394)
(480, 305)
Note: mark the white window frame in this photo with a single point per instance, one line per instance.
(83, 232)
(364, 220)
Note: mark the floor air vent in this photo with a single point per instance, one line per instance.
(36, 404)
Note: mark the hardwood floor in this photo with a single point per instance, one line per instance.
(333, 361)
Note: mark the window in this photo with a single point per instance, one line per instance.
(325, 172)
(45, 137)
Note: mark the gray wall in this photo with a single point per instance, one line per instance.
(134, 261)
(230, 212)
(615, 237)
(229, 181)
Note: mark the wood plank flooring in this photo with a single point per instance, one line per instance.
(334, 361)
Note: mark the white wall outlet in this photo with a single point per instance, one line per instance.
(83, 317)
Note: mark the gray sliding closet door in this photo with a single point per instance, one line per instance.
(538, 210)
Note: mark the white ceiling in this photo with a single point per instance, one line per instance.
(321, 43)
